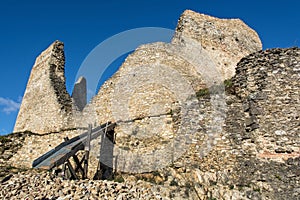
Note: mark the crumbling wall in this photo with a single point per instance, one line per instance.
(153, 84)
(46, 105)
(256, 156)
(79, 94)
(267, 82)
(225, 40)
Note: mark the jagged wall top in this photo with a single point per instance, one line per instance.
(151, 81)
(46, 105)
(225, 40)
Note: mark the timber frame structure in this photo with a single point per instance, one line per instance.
(61, 155)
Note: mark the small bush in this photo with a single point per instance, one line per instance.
(228, 83)
(4, 139)
(278, 177)
(202, 93)
(119, 179)
(229, 88)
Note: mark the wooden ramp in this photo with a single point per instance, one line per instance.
(63, 152)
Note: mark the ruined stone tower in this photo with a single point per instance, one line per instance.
(46, 105)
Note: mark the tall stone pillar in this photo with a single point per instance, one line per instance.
(46, 105)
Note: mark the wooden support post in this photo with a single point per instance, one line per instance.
(87, 151)
(78, 166)
(72, 171)
(64, 175)
(78, 163)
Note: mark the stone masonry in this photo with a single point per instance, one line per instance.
(46, 105)
(156, 79)
(267, 83)
(252, 159)
(225, 40)
(255, 155)
(79, 94)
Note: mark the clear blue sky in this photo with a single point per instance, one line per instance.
(28, 27)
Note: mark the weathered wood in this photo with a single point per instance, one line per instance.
(86, 162)
(71, 169)
(65, 156)
(88, 140)
(78, 166)
(87, 151)
(63, 152)
(105, 170)
(65, 171)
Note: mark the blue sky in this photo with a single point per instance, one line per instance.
(28, 27)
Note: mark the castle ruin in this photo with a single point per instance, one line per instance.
(259, 136)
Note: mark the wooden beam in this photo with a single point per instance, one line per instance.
(62, 153)
(71, 169)
(78, 166)
(87, 151)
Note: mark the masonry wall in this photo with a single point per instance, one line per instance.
(255, 155)
(267, 82)
(46, 105)
(226, 41)
(153, 84)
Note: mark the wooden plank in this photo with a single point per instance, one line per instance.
(87, 151)
(65, 150)
(78, 166)
(86, 163)
(66, 156)
(88, 139)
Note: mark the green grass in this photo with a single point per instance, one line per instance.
(228, 83)
(202, 93)
(278, 177)
(119, 179)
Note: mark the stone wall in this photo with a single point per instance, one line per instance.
(267, 82)
(225, 40)
(35, 145)
(157, 79)
(255, 155)
(79, 94)
(148, 93)
(46, 105)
